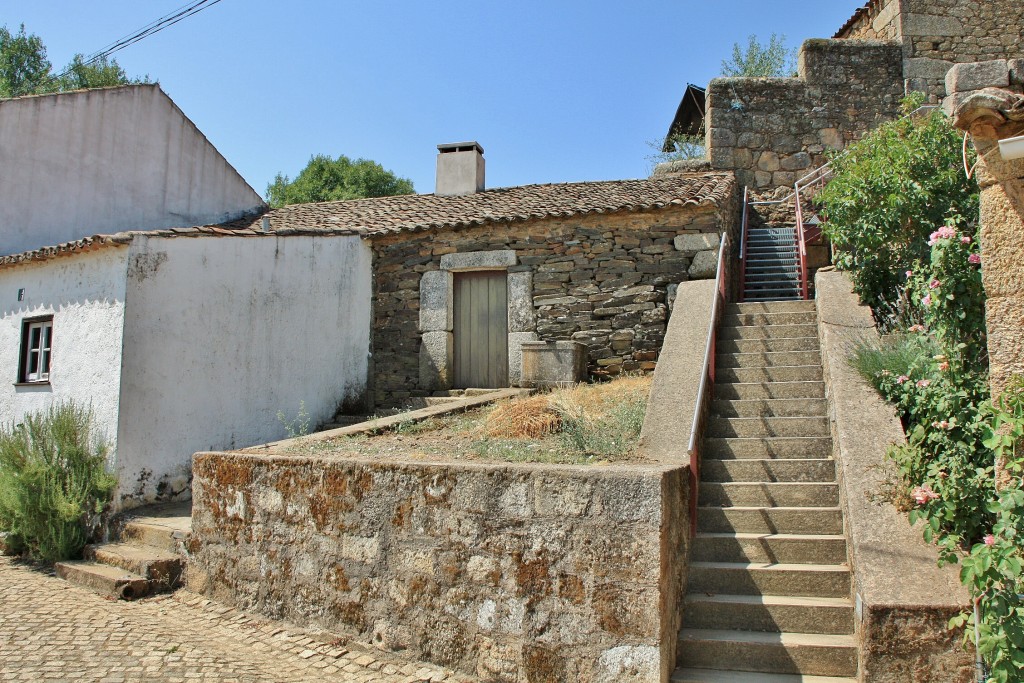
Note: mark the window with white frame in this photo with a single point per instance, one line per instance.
(36, 339)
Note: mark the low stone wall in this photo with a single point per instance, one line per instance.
(519, 573)
(878, 20)
(904, 600)
(772, 131)
(602, 280)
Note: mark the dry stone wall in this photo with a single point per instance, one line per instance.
(878, 20)
(603, 280)
(506, 572)
(772, 131)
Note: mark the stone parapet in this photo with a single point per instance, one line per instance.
(904, 600)
(511, 573)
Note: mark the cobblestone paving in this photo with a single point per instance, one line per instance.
(53, 631)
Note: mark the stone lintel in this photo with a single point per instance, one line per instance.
(479, 260)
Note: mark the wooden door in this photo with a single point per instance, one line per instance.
(481, 329)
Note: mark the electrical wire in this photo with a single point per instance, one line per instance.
(155, 26)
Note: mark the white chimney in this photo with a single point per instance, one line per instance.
(460, 168)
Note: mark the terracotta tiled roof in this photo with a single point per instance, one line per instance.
(509, 204)
(870, 6)
(384, 215)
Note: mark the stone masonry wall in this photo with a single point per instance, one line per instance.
(604, 280)
(772, 131)
(941, 33)
(880, 20)
(519, 574)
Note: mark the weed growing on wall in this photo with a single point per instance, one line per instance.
(299, 426)
(53, 482)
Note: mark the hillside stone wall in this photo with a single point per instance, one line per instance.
(772, 131)
(878, 20)
(603, 280)
(510, 573)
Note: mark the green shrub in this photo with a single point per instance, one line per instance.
(891, 189)
(53, 482)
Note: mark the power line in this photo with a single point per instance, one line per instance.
(155, 26)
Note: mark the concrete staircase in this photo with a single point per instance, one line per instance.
(769, 589)
(148, 558)
(772, 266)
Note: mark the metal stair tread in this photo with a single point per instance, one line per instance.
(695, 675)
(787, 638)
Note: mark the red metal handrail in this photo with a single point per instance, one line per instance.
(743, 242)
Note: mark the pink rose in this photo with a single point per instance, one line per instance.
(974, 258)
(923, 382)
(943, 366)
(965, 239)
(909, 274)
(927, 300)
(922, 494)
(901, 379)
(934, 284)
(916, 328)
(990, 539)
(943, 233)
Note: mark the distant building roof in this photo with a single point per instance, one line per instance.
(689, 119)
(417, 212)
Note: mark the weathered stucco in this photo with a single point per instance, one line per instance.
(85, 295)
(506, 572)
(222, 334)
(904, 600)
(118, 159)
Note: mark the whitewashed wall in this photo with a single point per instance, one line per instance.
(102, 161)
(85, 295)
(222, 333)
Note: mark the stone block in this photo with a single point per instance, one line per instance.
(521, 314)
(704, 266)
(479, 260)
(978, 75)
(768, 161)
(436, 360)
(691, 244)
(924, 67)
(1016, 67)
(436, 301)
(796, 162)
(515, 354)
(549, 364)
(915, 24)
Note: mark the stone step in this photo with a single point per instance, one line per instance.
(769, 345)
(163, 568)
(112, 582)
(688, 675)
(792, 373)
(769, 359)
(738, 578)
(166, 527)
(441, 400)
(765, 427)
(786, 307)
(757, 519)
(768, 332)
(759, 448)
(768, 494)
(811, 654)
(772, 613)
(740, 391)
(769, 469)
(771, 548)
(745, 319)
(771, 407)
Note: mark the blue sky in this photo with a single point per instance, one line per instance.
(555, 91)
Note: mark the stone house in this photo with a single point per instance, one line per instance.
(592, 262)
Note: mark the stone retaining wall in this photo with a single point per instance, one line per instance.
(772, 131)
(511, 573)
(603, 280)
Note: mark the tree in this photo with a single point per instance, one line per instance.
(773, 60)
(325, 180)
(25, 70)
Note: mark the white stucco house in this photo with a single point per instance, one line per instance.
(179, 338)
(106, 160)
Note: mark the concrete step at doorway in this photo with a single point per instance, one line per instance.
(768, 494)
(770, 613)
(739, 448)
(768, 331)
(770, 520)
(767, 427)
(768, 359)
(777, 407)
(769, 470)
(750, 578)
(806, 654)
(739, 391)
(773, 548)
(768, 345)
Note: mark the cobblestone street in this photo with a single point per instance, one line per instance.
(52, 631)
